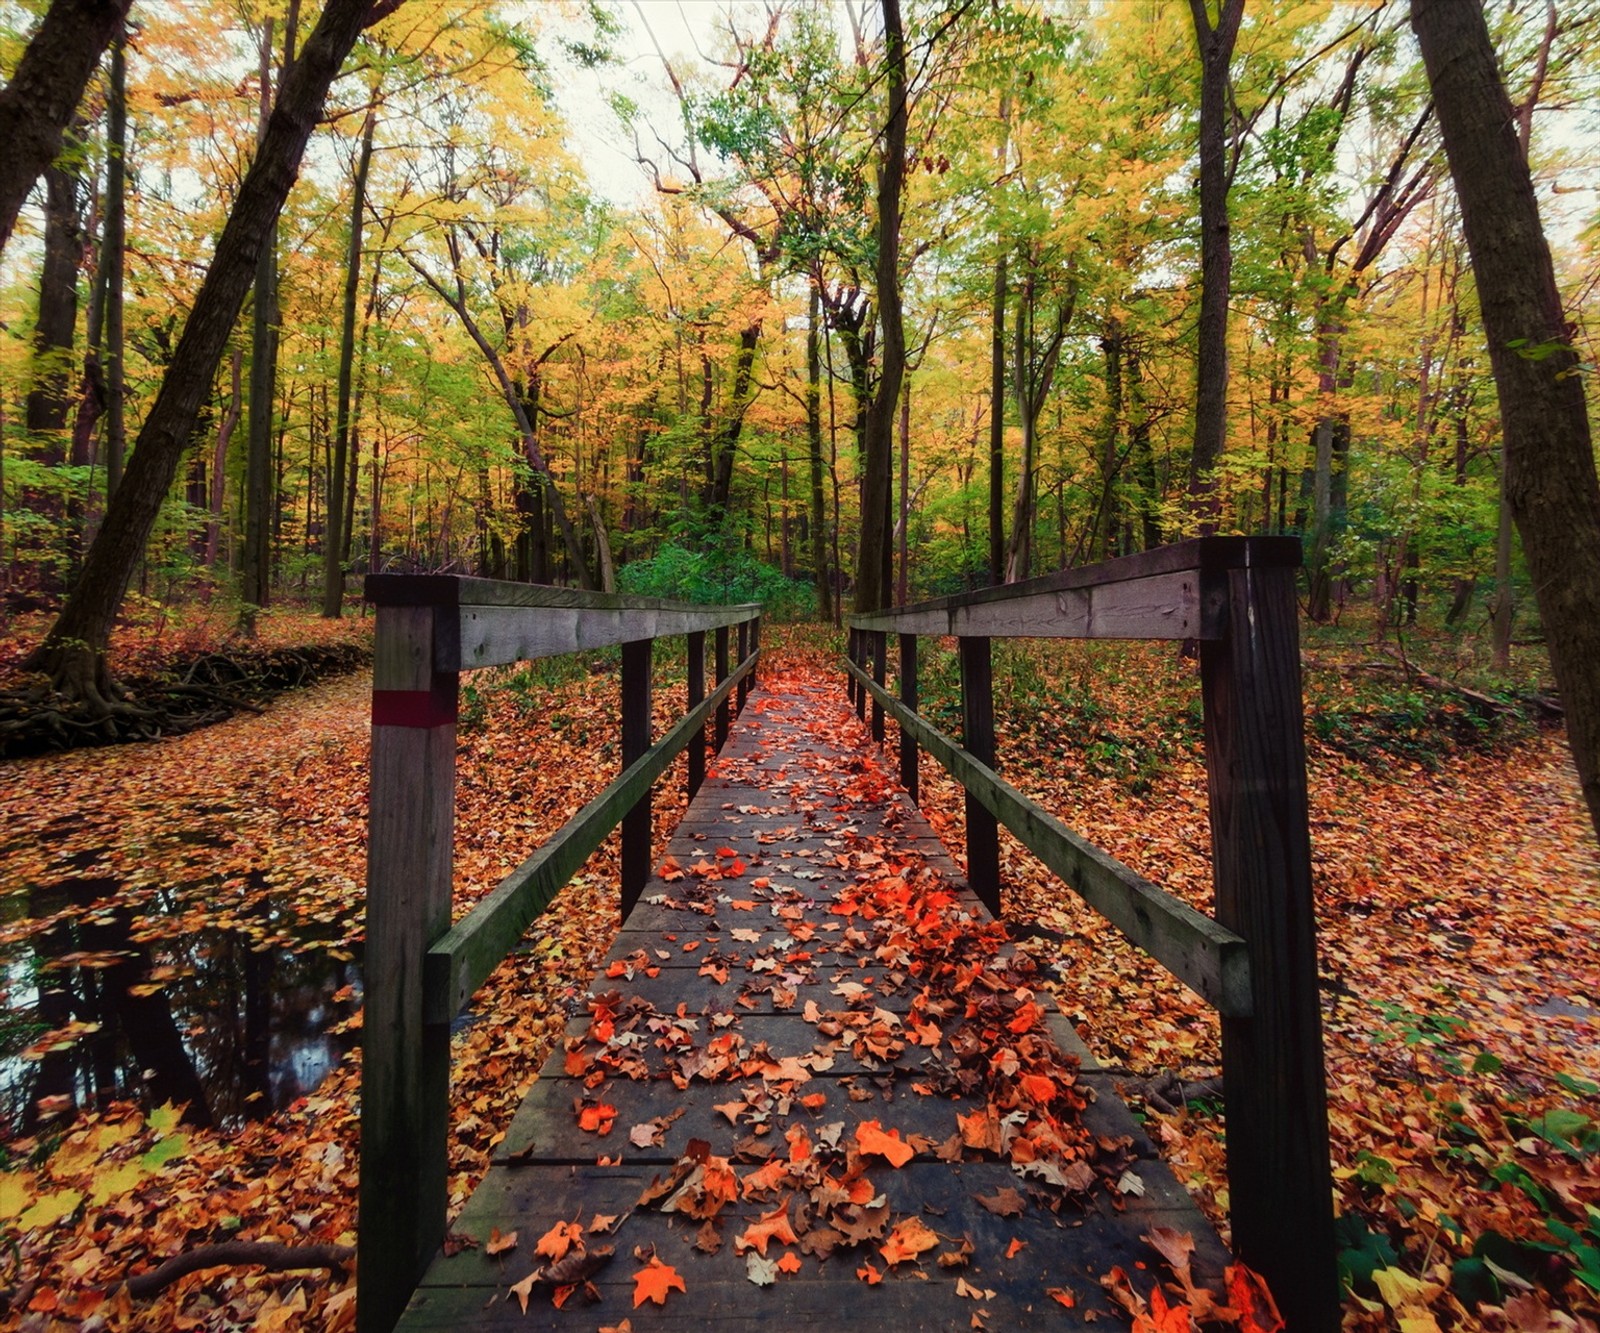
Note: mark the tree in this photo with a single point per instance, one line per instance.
(73, 653)
(1551, 485)
(1216, 41)
(872, 557)
(38, 103)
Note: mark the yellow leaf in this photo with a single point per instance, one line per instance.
(109, 1185)
(16, 1193)
(50, 1209)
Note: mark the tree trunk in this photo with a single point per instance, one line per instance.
(1216, 254)
(819, 504)
(335, 540)
(1551, 487)
(997, 424)
(37, 105)
(872, 591)
(112, 250)
(259, 490)
(73, 653)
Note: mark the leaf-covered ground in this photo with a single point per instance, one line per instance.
(1456, 887)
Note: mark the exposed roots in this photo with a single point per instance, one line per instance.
(71, 700)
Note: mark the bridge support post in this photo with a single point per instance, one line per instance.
(743, 688)
(720, 733)
(977, 737)
(908, 696)
(636, 708)
(697, 695)
(880, 654)
(859, 657)
(405, 1073)
(1274, 1087)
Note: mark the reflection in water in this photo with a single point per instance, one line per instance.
(212, 1018)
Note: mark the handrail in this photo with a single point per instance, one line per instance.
(1257, 962)
(470, 950)
(420, 969)
(1210, 959)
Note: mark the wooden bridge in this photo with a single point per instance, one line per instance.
(812, 1080)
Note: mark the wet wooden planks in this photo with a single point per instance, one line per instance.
(804, 808)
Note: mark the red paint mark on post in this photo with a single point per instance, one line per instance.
(413, 708)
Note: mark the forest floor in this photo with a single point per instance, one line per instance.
(1456, 881)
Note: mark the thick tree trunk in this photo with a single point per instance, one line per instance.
(37, 105)
(334, 541)
(74, 651)
(872, 590)
(50, 395)
(1216, 253)
(1551, 486)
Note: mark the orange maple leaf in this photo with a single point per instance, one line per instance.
(790, 1263)
(768, 1227)
(1248, 1294)
(559, 1239)
(909, 1239)
(597, 1118)
(871, 1138)
(870, 1275)
(654, 1281)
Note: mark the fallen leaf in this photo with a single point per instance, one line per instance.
(654, 1281)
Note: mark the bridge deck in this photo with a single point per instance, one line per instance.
(810, 976)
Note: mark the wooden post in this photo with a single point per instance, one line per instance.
(405, 1066)
(977, 738)
(1274, 1082)
(636, 705)
(743, 688)
(755, 647)
(860, 658)
(697, 694)
(908, 696)
(723, 710)
(850, 686)
(880, 651)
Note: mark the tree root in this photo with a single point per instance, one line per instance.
(80, 705)
(273, 1257)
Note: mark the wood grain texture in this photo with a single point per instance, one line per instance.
(405, 1059)
(1279, 1175)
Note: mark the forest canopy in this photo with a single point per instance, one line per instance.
(566, 290)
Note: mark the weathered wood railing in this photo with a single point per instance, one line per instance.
(420, 970)
(1257, 962)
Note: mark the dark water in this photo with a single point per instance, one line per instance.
(235, 1022)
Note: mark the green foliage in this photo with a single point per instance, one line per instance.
(717, 577)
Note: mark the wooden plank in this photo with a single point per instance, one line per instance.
(464, 956)
(1202, 556)
(406, 1058)
(977, 737)
(697, 694)
(495, 635)
(1158, 606)
(636, 710)
(1273, 1073)
(1206, 956)
(462, 590)
(908, 697)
